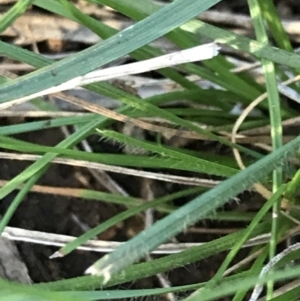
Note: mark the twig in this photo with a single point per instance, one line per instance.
(60, 240)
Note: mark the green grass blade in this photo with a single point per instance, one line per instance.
(70, 141)
(20, 292)
(262, 212)
(40, 166)
(130, 100)
(156, 266)
(290, 295)
(13, 13)
(275, 117)
(105, 32)
(45, 124)
(102, 53)
(254, 270)
(190, 213)
(256, 48)
(277, 30)
(188, 163)
(90, 234)
(141, 9)
(225, 288)
(208, 167)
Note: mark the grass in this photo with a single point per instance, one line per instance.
(278, 166)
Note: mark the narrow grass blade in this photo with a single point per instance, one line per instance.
(96, 56)
(104, 31)
(190, 213)
(277, 30)
(197, 53)
(19, 292)
(68, 248)
(70, 141)
(165, 152)
(12, 14)
(225, 289)
(156, 266)
(267, 206)
(254, 270)
(184, 162)
(141, 9)
(258, 49)
(128, 99)
(45, 124)
(275, 117)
